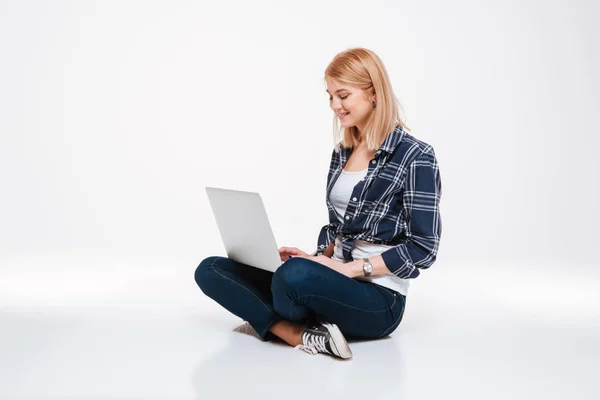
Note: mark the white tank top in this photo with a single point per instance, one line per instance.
(340, 197)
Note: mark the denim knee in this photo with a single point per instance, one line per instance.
(204, 272)
(291, 275)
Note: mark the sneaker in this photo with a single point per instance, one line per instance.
(325, 338)
(247, 329)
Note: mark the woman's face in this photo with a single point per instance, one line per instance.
(351, 104)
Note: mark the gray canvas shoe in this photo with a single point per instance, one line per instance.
(325, 338)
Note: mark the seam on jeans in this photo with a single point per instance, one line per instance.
(394, 302)
(394, 325)
(345, 305)
(268, 328)
(239, 284)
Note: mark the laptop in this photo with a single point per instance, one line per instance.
(244, 227)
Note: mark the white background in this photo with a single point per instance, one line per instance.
(114, 116)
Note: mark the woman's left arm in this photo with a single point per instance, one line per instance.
(354, 268)
(421, 202)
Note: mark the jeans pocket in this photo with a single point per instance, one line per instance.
(392, 296)
(396, 303)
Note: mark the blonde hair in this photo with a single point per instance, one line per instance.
(362, 68)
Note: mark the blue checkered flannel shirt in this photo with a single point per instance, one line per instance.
(396, 203)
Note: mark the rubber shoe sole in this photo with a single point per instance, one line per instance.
(338, 341)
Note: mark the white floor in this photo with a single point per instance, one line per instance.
(75, 328)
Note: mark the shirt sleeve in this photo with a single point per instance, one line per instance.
(421, 199)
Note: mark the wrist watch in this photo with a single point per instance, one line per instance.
(367, 267)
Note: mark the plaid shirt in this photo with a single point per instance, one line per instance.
(396, 203)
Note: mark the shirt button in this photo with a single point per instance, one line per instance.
(347, 217)
(373, 162)
(354, 199)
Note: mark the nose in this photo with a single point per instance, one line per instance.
(336, 105)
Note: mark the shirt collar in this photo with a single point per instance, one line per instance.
(389, 144)
(392, 140)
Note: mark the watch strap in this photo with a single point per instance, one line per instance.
(367, 267)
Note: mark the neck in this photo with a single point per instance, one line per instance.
(361, 140)
(362, 147)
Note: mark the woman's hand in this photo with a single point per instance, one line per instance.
(286, 252)
(334, 265)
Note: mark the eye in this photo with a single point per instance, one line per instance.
(341, 97)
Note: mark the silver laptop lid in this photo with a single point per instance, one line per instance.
(244, 227)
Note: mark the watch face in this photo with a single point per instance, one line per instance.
(368, 268)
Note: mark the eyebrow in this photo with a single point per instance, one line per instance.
(339, 90)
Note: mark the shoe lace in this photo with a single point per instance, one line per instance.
(313, 344)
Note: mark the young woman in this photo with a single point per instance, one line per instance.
(383, 192)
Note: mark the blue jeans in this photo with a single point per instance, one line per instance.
(301, 290)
